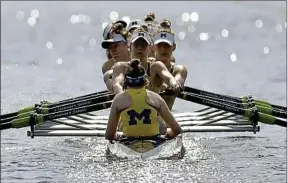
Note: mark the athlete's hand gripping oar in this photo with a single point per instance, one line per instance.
(231, 98)
(249, 113)
(52, 108)
(26, 111)
(24, 122)
(244, 105)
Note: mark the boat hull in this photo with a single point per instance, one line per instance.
(147, 149)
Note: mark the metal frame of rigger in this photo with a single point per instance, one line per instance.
(90, 124)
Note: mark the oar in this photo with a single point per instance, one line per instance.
(231, 98)
(251, 114)
(27, 110)
(204, 109)
(88, 95)
(52, 108)
(41, 118)
(244, 105)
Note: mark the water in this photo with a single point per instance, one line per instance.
(252, 59)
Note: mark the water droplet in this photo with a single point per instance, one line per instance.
(194, 17)
(233, 57)
(185, 17)
(81, 18)
(31, 21)
(74, 19)
(113, 15)
(225, 33)
(181, 35)
(279, 28)
(204, 36)
(92, 42)
(20, 15)
(35, 13)
(49, 45)
(59, 61)
(259, 23)
(266, 50)
(191, 28)
(87, 19)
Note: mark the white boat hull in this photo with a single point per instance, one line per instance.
(145, 150)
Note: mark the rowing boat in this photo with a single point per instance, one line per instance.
(159, 148)
(91, 124)
(77, 117)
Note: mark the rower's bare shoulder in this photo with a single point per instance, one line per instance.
(178, 67)
(154, 99)
(106, 66)
(120, 65)
(122, 100)
(157, 64)
(119, 97)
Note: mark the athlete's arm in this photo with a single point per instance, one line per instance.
(108, 80)
(104, 67)
(169, 119)
(161, 70)
(118, 77)
(113, 120)
(180, 74)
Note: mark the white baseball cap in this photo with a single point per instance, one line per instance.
(115, 38)
(140, 34)
(135, 24)
(164, 37)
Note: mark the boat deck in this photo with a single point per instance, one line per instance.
(91, 124)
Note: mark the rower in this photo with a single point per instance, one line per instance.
(152, 24)
(107, 35)
(164, 45)
(140, 45)
(118, 48)
(136, 108)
